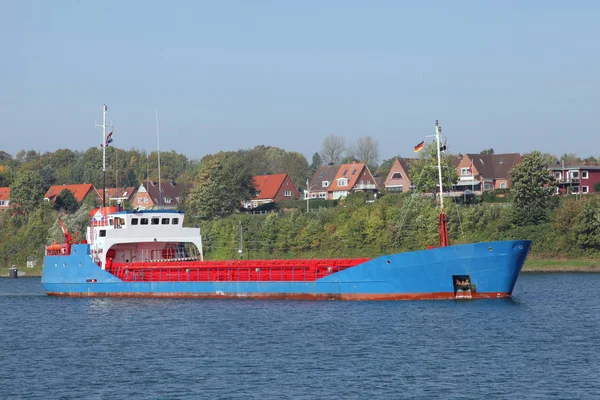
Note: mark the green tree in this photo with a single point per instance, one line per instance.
(295, 165)
(424, 170)
(220, 187)
(47, 175)
(487, 151)
(570, 159)
(532, 189)
(386, 165)
(587, 229)
(549, 158)
(315, 164)
(66, 201)
(6, 176)
(27, 192)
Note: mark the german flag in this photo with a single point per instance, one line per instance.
(419, 147)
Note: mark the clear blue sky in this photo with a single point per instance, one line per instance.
(225, 75)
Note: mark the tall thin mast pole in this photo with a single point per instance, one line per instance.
(438, 132)
(158, 148)
(104, 156)
(103, 145)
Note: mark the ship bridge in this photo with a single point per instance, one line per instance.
(142, 236)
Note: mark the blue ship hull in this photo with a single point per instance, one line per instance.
(492, 269)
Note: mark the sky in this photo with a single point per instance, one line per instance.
(514, 76)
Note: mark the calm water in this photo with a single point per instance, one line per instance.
(541, 344)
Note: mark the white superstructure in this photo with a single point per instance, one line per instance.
(146, 236)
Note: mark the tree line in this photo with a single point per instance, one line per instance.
(220, 181)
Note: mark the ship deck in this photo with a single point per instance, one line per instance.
(231, 270)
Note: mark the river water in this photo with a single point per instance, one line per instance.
(544, 343)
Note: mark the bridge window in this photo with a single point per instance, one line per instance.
(165, 221)
(134, 221)
(155, 221)
(175, 221)
(144, 221)
(102, 233)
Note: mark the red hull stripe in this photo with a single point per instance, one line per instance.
(294, 296)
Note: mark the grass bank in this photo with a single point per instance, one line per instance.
(561, 265)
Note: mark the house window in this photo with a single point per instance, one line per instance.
(395, 189)
(584, 175)
(487, 186)
(313, 195)
(502, 185)
(145, 200)
(139, 200)
(144, 221)
(254, 204)
(396, 175)
(465, 171)
(175, 221)
(134, 221)
(322, 195)
(325, 184)
(287, 193)
(585, 189)
(3, 203)
(557, 175)
(167, 200)
(342, 182)
(575, 174)
(165, 221)
(575, 189)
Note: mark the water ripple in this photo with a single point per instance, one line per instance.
(539, 345)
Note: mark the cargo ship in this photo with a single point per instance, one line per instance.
(150, 253)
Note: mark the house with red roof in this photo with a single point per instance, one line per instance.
(4, 198)
(351, 178)
(321, 180)
(576, 178)
(486, 172)
(166, 196)
(113, 195)
(397, 180)
(272, 188)
(80, 191)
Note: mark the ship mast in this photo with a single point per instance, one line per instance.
(443, 237)
(103, 145)
(438, 132)
(158, 151)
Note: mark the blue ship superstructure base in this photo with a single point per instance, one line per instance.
(479, 270)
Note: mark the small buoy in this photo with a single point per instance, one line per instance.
(13, 272)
